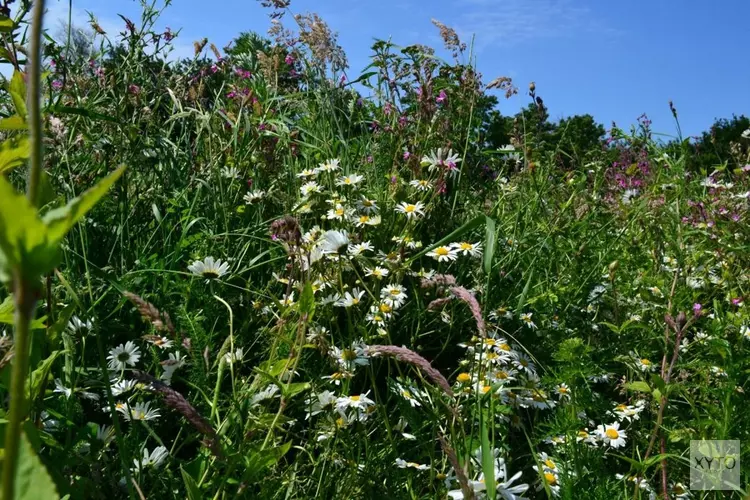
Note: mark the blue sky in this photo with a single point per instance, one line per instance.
(614, 60)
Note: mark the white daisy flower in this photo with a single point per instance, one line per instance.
(377, 272)
(441, 159)
(334, 241)
(645, 364)
(393, 295)
(309, 188)
(209, 268)
(230, 172)
(526, 318)
(350, 299)
(122, 386)
(141, 411)
(153, 459)
(367, 205)
(349, 180)
(443, 254)
(316, 403)
(366, 220)
(612, 435)
(75, 325)
(329, 166)
(234, 357)
(466, 248)
(411, 210)
(421, 184)
(359, 249)
(252, 197)
(339, 212)
(123, 355)
(160, 342)
(308, 172)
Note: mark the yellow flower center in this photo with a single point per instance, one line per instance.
(463, 377)
(583, 434)
(504, 347)
(339, 211)
(501, 375)
(363, 219)
(410, 208)
(442, 251)
(354, 398)
(550, 478)
(620, 407)
(486, 389)
(646, 362)
(385, 308)
(550, 464)
(466, 246)
(562, 390)
(612, 433)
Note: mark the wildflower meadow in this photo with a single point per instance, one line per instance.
(251, 273)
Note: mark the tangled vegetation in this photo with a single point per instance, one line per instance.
(306, 285)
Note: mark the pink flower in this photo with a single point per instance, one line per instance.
(697, 309)
(289, 59)
(442, 97)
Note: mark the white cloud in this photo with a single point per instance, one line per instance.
(507, 23)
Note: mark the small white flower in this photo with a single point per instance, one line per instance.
(209, 268)
(234, 357)
(466, 248)
(123, 355)
(230, 172)
(153, 459)
(329, 166)
(310, 187)
(359, 249)
(411, 210)
(377, 272)
(612, 435)
(350, 299)
(349, 180)
(393, 295)
(334, 241)
(75, 325)
(421, 184)
(443, 253)
(123, 386)
(252, 197)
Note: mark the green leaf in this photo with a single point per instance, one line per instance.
(490, 238)
(307, 301)
(638, 386)
(525, 292)
(23, 237)
(14, 152)
(60, 220)
(6, 24)
(292, 390)
(192, 488)
(256, 462)
(39, 376)
(7, 309)
(15, 122)
(17, 91)
(33, 482)
(488, 461)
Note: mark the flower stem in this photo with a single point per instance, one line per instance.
(24, 287)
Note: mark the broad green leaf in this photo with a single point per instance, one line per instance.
(18, 93)
(638, 386)
(14, 152)
(40, 375)
(490, 238)
(488, 461)
(60, 220)
(33, 482)
(256, 462)
(307, 301)
(7, 309)
(15, 122)
(23, 236)
(293, 389)
(191, 487)
(6, 24)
